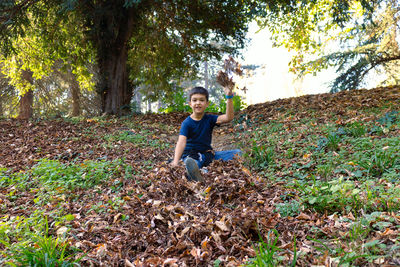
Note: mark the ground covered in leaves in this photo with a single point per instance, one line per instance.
(308, 187)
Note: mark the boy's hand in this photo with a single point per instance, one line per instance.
(228, 91)
(226, 82)
(174, 164)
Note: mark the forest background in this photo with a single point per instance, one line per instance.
(71, 58)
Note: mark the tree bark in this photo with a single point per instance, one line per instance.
(113, 87)
(25, 105)
(1, 107)
(75, 92)
(116, 94)
(26, 100)
(138, 101)
(206, 74)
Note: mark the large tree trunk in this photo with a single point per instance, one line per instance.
(26, 100)
(25, 105)
(115, 92)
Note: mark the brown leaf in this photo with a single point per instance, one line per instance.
(222, 226)
(303, 216)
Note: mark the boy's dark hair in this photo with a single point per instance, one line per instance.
(198, 90)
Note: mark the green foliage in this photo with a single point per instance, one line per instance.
(379, 162)
(330, 196)
(159, 44)
(330, 142)
(26, 239)
(325, 170)
(27, 243)
(8, 178)
(238, 105)
(361, 31)
(179, 102)
(176, 102)
(49, 53)
(53, 174)
(389, 119)
(333, 173)
(340, 195)
(363, 249)
(45, 252)
(355, 129)
(139, 138)
(266, 253)
(260, 156)
(291, 208)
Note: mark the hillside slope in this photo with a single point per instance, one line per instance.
(318, 183)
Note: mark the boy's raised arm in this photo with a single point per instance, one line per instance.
(228, 116)
(180, 146)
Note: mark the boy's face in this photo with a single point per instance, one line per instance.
(198, 103)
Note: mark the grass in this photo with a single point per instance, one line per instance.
(335, 169)
(268, 253)
(25, 239)
(27, 242)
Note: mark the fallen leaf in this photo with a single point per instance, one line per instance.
(62, 230)
(303, 216)
(222, 226)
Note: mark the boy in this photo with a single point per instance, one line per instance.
(194, 142)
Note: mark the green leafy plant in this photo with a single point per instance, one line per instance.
(333, 140)
(379, 162)
(356, 129)
(238, 105)
(358, 231)
(18, 179)
(140, 138)
(389, 119)
(176, 101)
(27, 243)
(260, 156)
(46, 251)
(325, 170)
(286, 209)
(56, 177)
(266, 253)
(332, 196)
(330, 142)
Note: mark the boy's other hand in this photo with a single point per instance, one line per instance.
(174, 164)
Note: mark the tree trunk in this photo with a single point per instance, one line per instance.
(116, 94)
(113, 87)
(206, 74)
(138, 101)
(75, 92)
(26, 100)
(25, 105)
(1, 107)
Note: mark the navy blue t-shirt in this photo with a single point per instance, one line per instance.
(198, 133)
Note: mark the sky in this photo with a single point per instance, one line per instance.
(273, 80)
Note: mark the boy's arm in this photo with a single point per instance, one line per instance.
(228, 116)
(180, 146)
